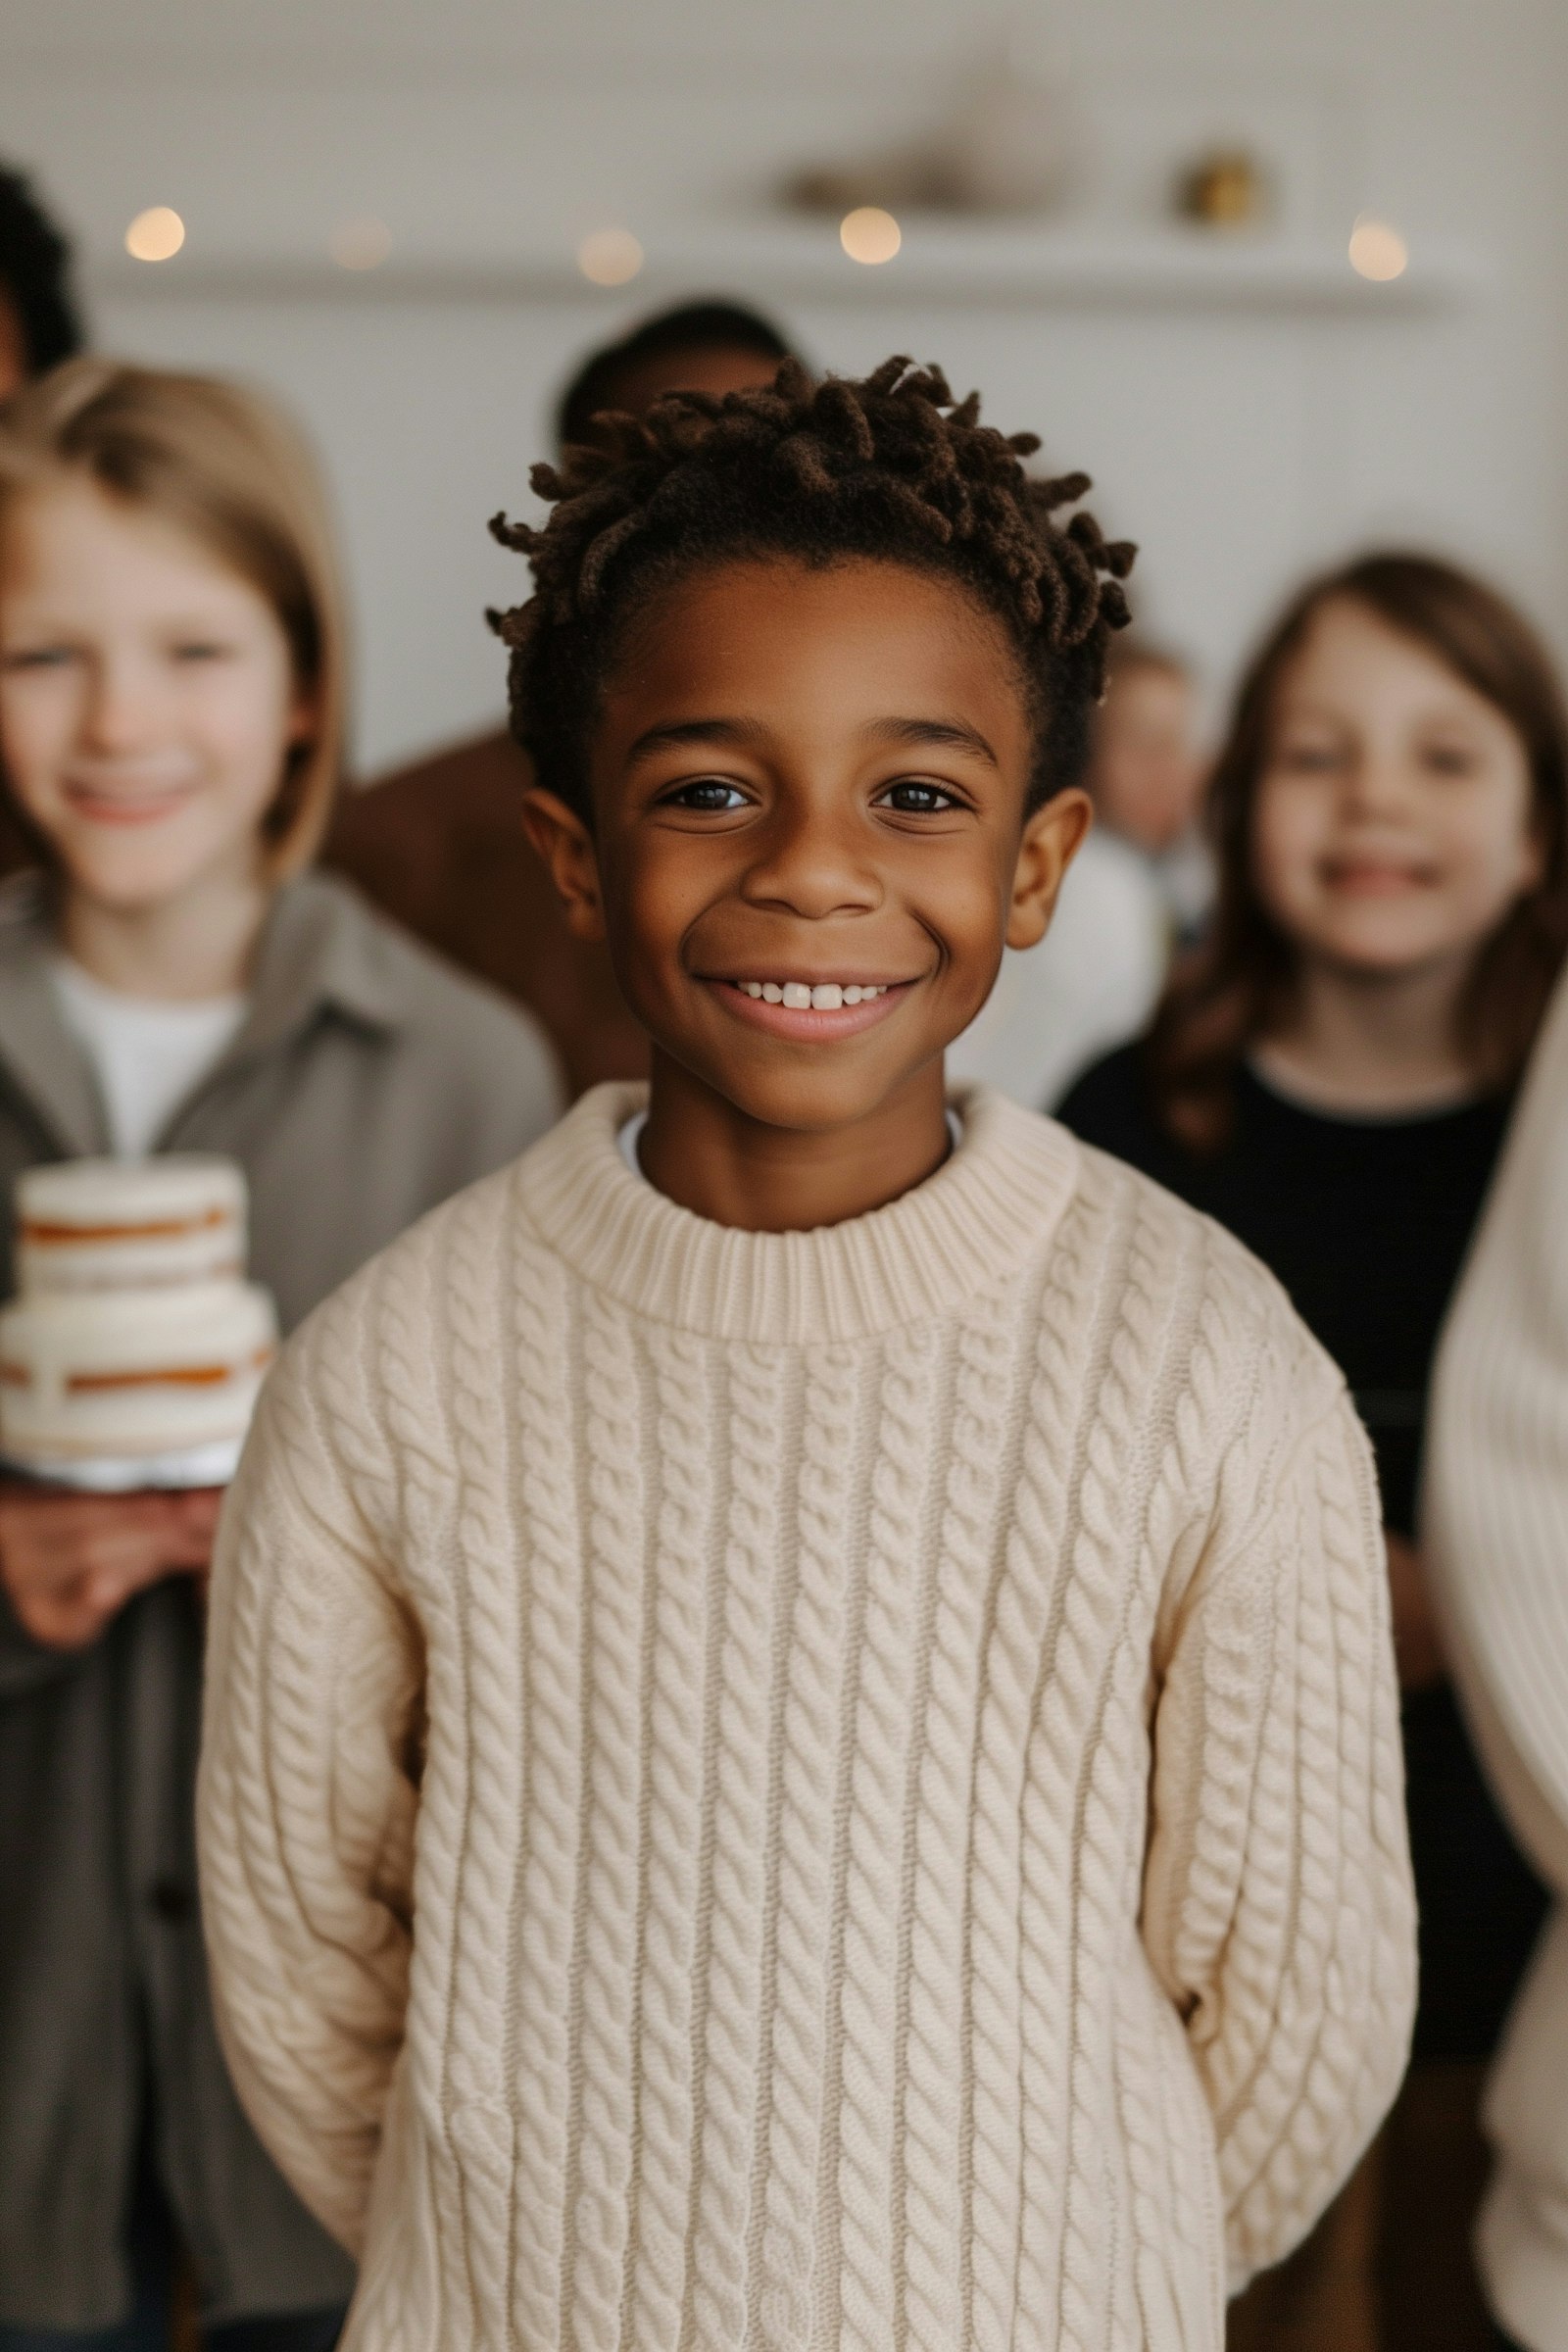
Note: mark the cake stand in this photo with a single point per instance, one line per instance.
(210, 1465)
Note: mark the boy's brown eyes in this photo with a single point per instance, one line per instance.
(715, 795)
(711, 795)
(918, 800)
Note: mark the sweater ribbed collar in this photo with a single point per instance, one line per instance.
(987, 1210)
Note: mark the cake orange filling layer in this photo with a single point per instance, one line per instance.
(174, 1376)
(172, 1229)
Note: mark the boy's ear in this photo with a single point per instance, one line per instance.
(1051, 840)
(567, 847)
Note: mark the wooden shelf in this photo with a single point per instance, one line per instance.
(942, 261)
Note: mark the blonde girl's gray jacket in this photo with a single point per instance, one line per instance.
(368, 1082)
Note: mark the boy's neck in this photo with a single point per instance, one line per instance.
(708, 1155)
(195, 945)
(1372, 1042)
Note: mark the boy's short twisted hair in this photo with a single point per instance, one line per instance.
(891, 469)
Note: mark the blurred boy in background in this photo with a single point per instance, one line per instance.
(1149, 777)
(39, 326)
(39, 323)
(1140, 887)
(440, 845)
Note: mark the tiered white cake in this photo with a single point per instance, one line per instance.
(134, 1333)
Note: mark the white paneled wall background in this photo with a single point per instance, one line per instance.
(1245, 410)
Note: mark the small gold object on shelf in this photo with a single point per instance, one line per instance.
(1226, 188)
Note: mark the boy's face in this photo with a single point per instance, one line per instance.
(812, 780)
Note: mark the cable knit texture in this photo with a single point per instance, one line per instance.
(824, 1790)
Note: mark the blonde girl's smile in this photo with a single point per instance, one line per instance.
(127, 800)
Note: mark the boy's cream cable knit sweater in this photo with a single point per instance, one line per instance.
(835, 1788)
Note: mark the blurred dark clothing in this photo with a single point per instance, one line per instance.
(159, 2292)
(366, 1084)
(16, 851)
(1366, 1222)
(1389, 2267)
(440, 846)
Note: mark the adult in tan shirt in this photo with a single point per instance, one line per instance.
(440, 845)
(171, 979)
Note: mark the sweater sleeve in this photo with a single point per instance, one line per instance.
(308, 1788)
(1497, 1501)
(1278, 1912)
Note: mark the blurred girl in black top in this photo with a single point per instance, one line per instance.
(1329, 1076)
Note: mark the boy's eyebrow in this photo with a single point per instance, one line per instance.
(696, 730)
(952, 734)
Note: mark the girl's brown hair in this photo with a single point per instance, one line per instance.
(223, 465)
(1231, 989)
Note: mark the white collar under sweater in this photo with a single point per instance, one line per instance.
(818, 1790)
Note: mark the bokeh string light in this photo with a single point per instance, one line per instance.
(1377, 249)
(155, 235)
(869, 235)
(609, 257)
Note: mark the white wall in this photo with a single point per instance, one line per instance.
(1237, 443)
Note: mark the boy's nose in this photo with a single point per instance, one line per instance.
(814, 868)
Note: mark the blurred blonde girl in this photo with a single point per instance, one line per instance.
(174, 978)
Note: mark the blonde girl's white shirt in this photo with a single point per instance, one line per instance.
(147, 1055)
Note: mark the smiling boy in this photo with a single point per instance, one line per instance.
(802, 1742)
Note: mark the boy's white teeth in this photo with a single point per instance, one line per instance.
(827, 997)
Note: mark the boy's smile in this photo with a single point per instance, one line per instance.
(814, 1012)
(809, 848)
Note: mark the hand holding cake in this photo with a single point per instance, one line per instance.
(70, 1562)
